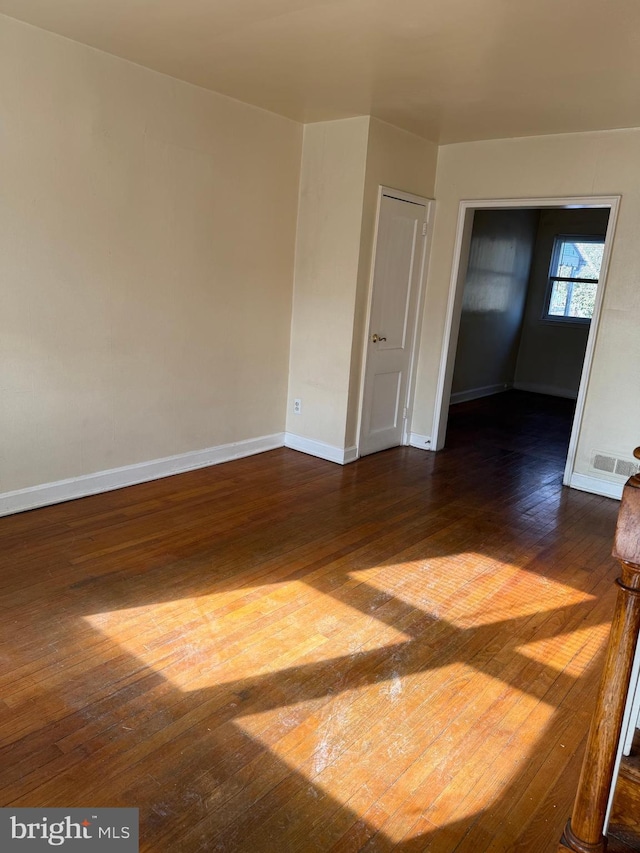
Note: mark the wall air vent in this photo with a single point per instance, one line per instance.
(604, 463)
(627, 468)
(615, 465)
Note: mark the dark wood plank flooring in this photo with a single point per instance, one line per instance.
(279, 654)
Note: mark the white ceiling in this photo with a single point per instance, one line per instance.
(449, 70)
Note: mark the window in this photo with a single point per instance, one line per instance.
(573, 278)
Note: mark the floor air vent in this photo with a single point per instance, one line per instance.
(614, 465)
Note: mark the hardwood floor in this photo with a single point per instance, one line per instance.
(280, 654)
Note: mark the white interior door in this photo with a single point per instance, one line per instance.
(397, 272)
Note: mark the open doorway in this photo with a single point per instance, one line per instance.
(523, 312)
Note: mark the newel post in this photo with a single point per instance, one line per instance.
(584, 832)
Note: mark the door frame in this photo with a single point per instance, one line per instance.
(454, 306)
(429, 204)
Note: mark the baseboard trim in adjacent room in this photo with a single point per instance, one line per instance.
(550, 390)
(422, 442)
(596, 486)
(131, 475)
(477, 393)
(318, 448)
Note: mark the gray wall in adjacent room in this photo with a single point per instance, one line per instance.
(495, 295)
(551, 354)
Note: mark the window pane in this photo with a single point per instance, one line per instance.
(572, 299)
(558, 301)
(578, 259)
(583, 299)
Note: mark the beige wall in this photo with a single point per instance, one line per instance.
(343, 164)
(566, 165)
(332, 184)
(552, 354)
(147, 235)
(493, 303)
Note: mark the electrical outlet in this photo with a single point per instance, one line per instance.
(297, 406)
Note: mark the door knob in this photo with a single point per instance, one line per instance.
(377, 339)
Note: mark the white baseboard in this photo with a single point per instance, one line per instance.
(130, 475)
(596, 486)
(318, 448)
(550, 390)
(423, 442)
(477, 393)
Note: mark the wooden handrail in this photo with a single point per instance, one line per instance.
(584, 832)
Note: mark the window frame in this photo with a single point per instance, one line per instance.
(553, 265)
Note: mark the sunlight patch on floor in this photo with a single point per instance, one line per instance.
(570, 653)
(471, 588)
(195, 643)
(389, 751)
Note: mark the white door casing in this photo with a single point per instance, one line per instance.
(398, 269)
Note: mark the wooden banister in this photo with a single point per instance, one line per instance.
(584, 832)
